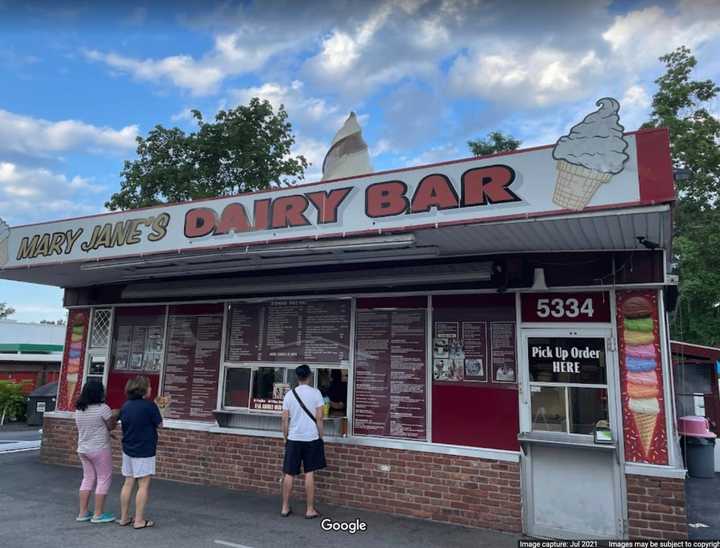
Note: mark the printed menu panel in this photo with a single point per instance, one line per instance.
(502, 352)
(390, 373)
(138, 340)
(460, 351)
(193, 361)
(289, 331)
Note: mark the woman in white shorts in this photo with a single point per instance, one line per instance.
(140, 419)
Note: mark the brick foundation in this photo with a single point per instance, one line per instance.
(656, 508)
(453, 489)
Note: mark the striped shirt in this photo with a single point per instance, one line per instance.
(93, 434)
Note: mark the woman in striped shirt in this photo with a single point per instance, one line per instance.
(94, 421)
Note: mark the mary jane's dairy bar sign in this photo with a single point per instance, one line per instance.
(595, 166)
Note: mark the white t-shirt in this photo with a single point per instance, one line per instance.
(93, 434)
(301, 427)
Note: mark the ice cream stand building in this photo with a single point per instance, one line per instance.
(492, 331)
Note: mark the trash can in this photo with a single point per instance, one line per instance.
(698, 445)
(40, 400)
(700, 456)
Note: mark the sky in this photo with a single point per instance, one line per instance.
(81, 80)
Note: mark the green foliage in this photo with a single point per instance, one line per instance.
(6, 310)
(681, 105)
(12, 401)
(492, 144)
(245, 149)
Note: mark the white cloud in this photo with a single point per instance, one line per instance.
(542, 77)
(314, 151)
(240, 52)
(30, 193)
(305, 112)
(27, 135)
(639, 37)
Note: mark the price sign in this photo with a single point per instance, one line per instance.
(566, 307)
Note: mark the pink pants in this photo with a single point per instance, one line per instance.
(97, 466)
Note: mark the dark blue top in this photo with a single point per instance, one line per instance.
(140, 419)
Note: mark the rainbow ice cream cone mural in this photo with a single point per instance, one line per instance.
(589, 156)
(74, 355)
(641, 365)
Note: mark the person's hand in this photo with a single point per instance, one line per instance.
(115, 413)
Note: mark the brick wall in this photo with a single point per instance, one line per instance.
(461, 490)
(656, 507)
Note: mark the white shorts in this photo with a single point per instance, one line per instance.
(138, 467)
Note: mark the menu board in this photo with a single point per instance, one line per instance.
(390, 373)
(460, 351)
(193, 361)
(295, 331)
(138, 341)
(502, 352)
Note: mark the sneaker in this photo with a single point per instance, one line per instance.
(86, 517)
(103, 518)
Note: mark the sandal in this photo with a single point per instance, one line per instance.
(313, 516)
(128, 522)
(148, 523)
(286, 514)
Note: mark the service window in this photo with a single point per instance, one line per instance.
(568, 383)
(237, 387)
(333, 385)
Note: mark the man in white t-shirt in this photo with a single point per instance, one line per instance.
(303, 433)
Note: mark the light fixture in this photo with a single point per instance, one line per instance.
(394, 276)
(336, 245)
(539, 280)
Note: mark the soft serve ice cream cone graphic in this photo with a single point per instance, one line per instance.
(589, 156)
(4, 239)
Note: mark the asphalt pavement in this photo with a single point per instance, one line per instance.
(39, 505)
(703, 507)
(19, 437)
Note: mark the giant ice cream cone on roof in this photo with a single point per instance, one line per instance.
(589, 156)
(348, 154)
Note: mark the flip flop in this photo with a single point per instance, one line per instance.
(313, 516)
(148, 523)
(128, 522)
(286, 514)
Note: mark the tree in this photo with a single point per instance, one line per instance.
(492, 144)
(245, 149)
(6, 311)
(12, 401)
(680, 104)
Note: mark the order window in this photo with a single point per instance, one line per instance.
(263, 388)
(568, 384)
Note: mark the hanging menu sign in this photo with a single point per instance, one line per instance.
(502, 351)
(193, 361)
(390, 373)
(295, 331)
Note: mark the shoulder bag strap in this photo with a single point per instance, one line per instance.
(309, 414)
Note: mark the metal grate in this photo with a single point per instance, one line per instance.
(100, 334)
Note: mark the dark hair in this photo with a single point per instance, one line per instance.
(302, 372)
(92, 393)
(137, 387)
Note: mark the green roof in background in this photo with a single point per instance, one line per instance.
(31, 348)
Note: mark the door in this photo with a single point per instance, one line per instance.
(573, 483)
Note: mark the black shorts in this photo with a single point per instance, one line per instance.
(310, 453)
